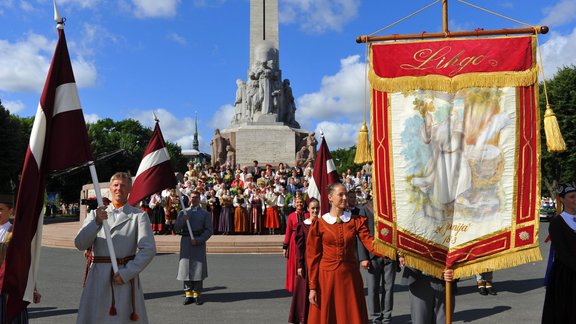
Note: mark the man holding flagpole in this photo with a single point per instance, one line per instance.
(193, 266)
(116, 297)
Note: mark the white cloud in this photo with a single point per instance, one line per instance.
(340, 95)
(175, 129)
(318, 16)
(559, 14)
(91, 118)
(558, 51)
(339, 135)
(222, 117)
(13, 106)
(26, 6)
(80, 3)
(155, 8)
(178, 39)
(25, 65)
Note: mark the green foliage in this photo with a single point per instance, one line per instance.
(14, 142)
(344, 160)
(105, 136)
(562, 97)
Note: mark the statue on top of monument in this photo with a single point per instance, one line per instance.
(288, 115)
(240, 101)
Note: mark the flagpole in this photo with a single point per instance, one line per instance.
(60, 25)
(448, 303)
(183, 208)
(104, 223)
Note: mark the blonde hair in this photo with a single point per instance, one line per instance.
(121, 176)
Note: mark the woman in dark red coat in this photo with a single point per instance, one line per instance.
(336, 288)
(290, 243)
(300, 304)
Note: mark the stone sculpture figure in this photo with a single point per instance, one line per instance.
(289, 113)
(230, 155)
(240, 101)
(311, 143)
(302, 156)
(265, 80)
(218, 145)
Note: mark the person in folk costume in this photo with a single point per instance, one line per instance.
(256, 212)
(172, 209)
(6, 212)
(225, 225)
(157, 214)
(381, 273)
(300, 304)
(281, 204)
(271, 220)
(241, 222)
(135, 248)
(561, 289)
(214, 208)
(193, 266)
(336, 288)
(289, 245)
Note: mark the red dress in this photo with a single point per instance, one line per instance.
(290, 242)
(300, 304)
(333, 270)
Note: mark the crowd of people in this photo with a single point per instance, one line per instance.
(242, 200)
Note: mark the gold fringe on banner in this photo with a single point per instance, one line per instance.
(363, 154)
(503, 261)
(385, 250)
(443, 83)
(554, 140)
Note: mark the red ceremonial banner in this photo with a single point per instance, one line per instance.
(455, 133)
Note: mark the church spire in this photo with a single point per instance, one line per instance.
(195, 144)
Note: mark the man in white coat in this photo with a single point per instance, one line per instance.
(116, 297)
(193, 266)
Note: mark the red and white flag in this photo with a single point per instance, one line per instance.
(324, 175)
(58, 140)
(155, 172)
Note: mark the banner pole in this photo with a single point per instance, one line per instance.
(448, 303)
(469, 33)
(104, 223)
(445, 16)
(182, 207)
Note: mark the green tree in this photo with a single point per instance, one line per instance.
(14, 134)
(559, 167)
(344, 159)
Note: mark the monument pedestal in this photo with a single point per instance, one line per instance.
(272, 143)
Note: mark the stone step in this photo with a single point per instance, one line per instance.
(61, 235)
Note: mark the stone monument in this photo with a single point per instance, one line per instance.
(264, 126)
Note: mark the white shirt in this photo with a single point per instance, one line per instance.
(570, 220)
(4, 230)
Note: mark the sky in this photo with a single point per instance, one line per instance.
(181, 58)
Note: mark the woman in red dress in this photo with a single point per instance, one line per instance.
(290, 243)
(300, 304)
(336, 288)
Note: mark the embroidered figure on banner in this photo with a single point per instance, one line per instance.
(451, 143)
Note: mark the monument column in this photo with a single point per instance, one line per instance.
(263, 24)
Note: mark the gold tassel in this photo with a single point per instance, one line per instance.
(554, 140)
(363, 147)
